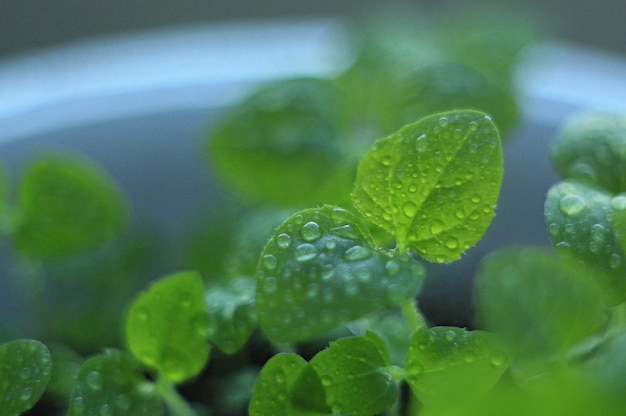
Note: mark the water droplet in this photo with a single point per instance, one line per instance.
(298, 219)
(449, 336)
(269, 261)
(469, 358)
(572, 204)
(385, 160)
(392, 268)
(94, 380)
(409, 209)
(475, 199)
(412, 188)
(270, 284)
(615, 260)
(421, 143)
(498, 359)
(452, 243)
(437, 226)
(25, 373)
(415, 370)
(394, 294)
(351, 288)
(619, 202)
(283, 240)
(122, 402)
(443, 122)
(363, 274)
(328, 272)
(312, 290)
(327, 381)
(106, 410)
(78, 404)
(305, 252)
(27, 393)
(598, 233)
(473, 126)
(310, 231)
(357, 253)
(562, 245)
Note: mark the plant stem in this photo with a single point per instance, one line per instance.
(412, 315)
(174, 401)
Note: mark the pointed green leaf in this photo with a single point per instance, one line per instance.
(166, 328)
(433, 184)
(355, 373)
(231, 313)
(539, 305)
(67, 205)
(112, 384)
(280, 145)
(25, 369)
(579, 221)
(445, 362)
(590, 148)
(320, 271)
(288, 386)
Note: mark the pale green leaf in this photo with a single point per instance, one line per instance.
(433, 184)
(445, 362)
(166, 328)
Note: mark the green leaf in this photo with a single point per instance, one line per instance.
(445, 362)
(618, 219)
(288, 386)
(67, 205)
(112, 384)
(579, 221)
(355, 373)
(433, 184)
(538, 304)
(319, 271)
(166, 328)
(25, 368)
(591, 148)
(280, 146)
(231, 314)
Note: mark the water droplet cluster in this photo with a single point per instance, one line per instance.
(320, 271)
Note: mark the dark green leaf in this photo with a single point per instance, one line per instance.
(433, 184)
(231, 313)
(280, 146)
(166, 328)
(591, 148)
(445, 362)
(111, 384)
(288, 386)
(320, 271)
(67, 205)
(25, 369)
(579, 221)
(354, 371)
(540, 305)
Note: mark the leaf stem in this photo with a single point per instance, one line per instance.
(412, 315)
(174, 401)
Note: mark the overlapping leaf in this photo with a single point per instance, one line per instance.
(433, 184)
(320, 271)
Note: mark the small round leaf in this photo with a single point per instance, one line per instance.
(166, 328)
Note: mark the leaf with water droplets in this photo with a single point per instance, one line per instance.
(579, 219)
(433, 184)
(111, 384)
(67, 205)
(25, 369)
(539, 304)
(356, 375)
(280, 145)
(590, 148)
(287, 385)
(445, 362)
(319, 271)
(166, 328)
(231, 313)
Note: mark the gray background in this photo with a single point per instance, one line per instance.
(28, 24)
